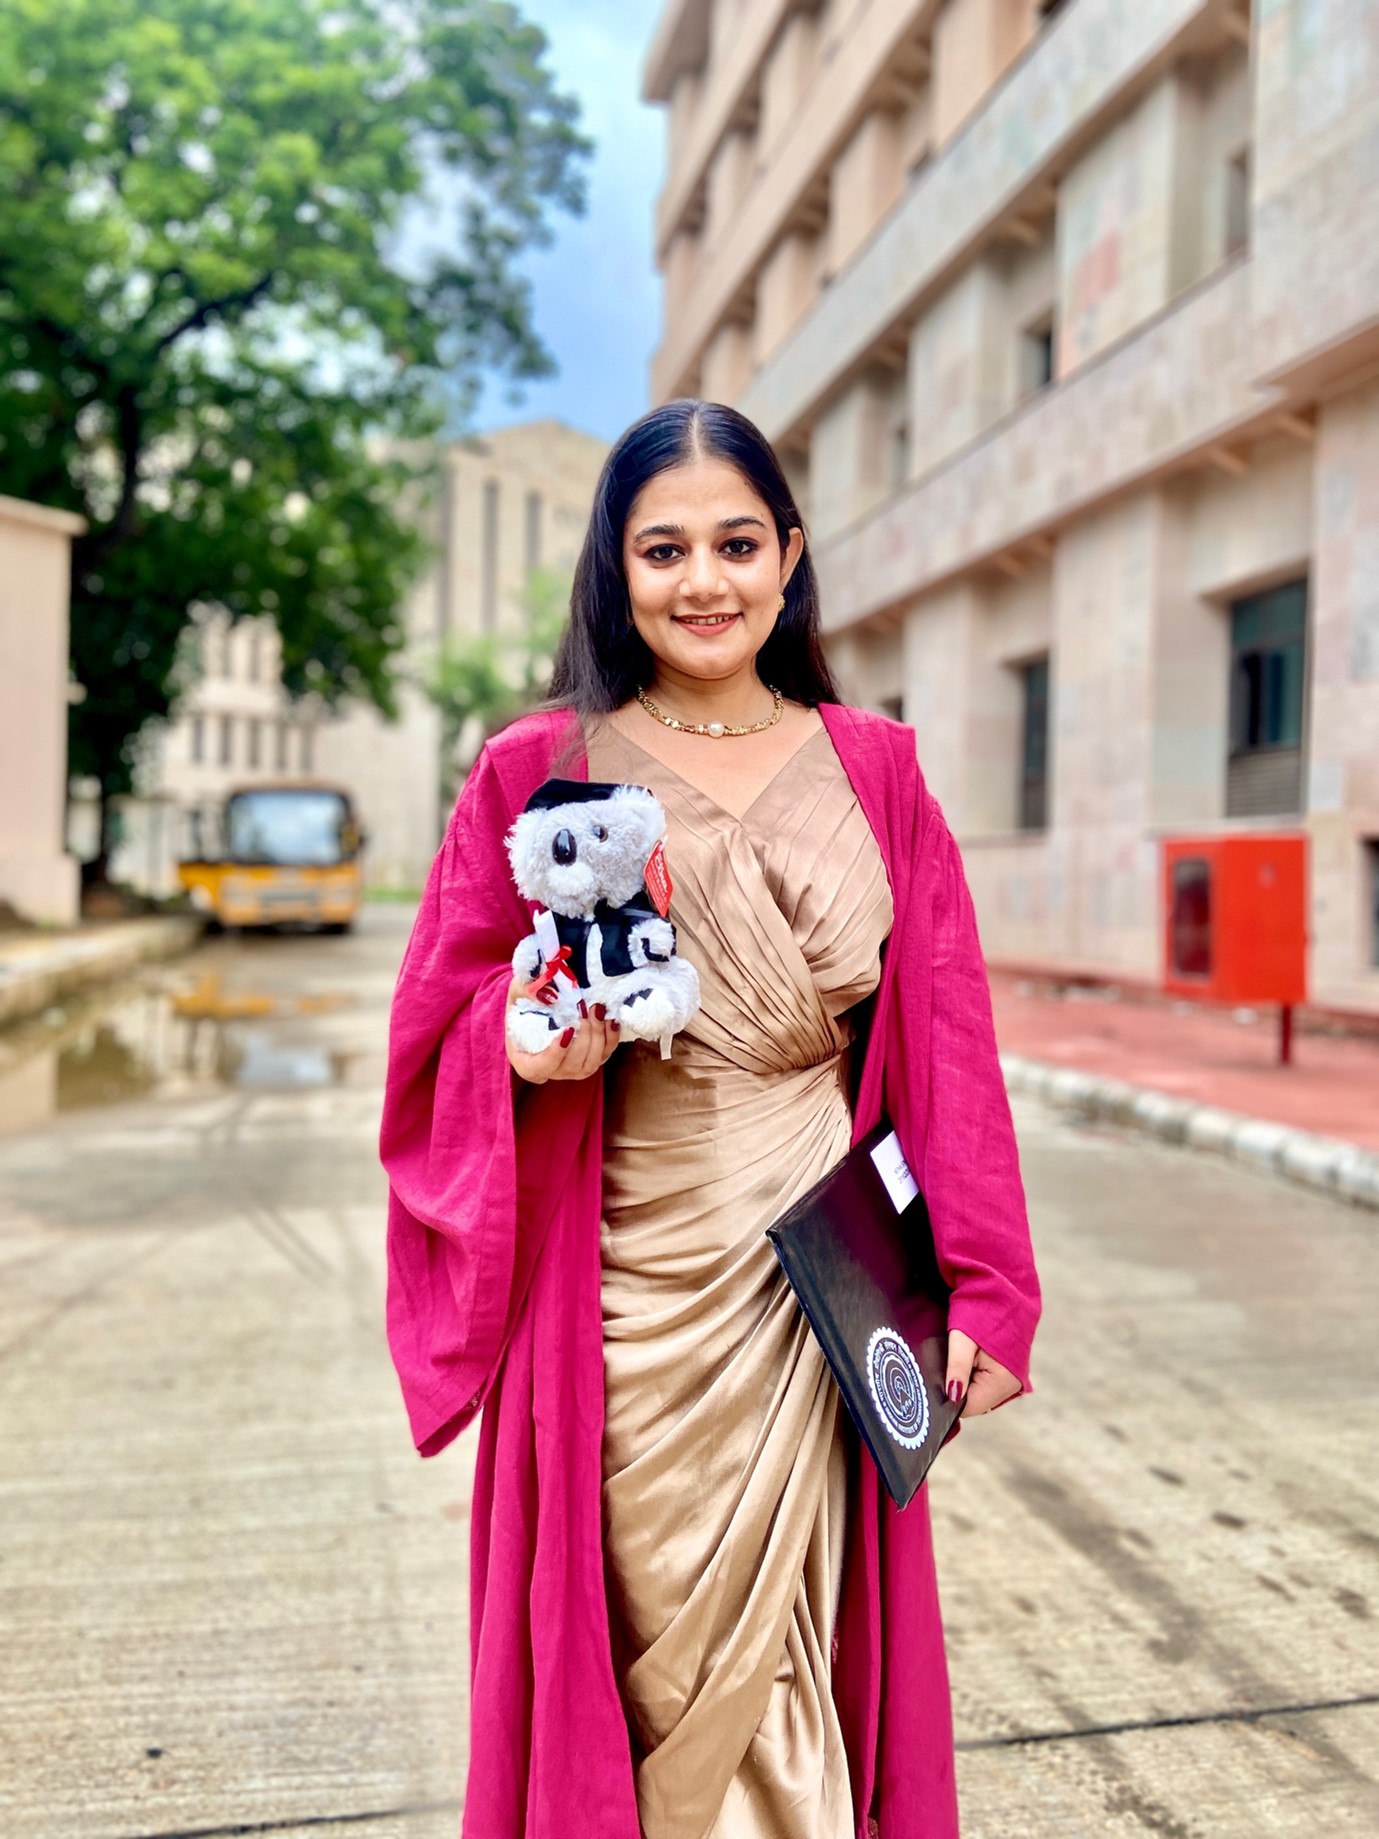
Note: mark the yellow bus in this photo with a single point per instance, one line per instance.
(289, 855)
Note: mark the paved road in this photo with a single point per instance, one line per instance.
(234, 1600)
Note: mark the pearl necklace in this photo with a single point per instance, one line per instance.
(716, 729)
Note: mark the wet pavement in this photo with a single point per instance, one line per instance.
(234, 1599)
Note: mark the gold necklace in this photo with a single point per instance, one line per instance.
(716, 729)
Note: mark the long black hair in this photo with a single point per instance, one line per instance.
(603, 660)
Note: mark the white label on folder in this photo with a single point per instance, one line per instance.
(894, 1170)
(546, 935)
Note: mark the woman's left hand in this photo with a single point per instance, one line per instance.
(985, 1382)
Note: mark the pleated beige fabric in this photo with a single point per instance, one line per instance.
(724, 1484)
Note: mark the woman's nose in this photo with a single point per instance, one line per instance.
(564, 848)
(703, 577)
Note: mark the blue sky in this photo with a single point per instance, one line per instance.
(596, 293)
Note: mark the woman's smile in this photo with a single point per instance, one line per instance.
(705, 622)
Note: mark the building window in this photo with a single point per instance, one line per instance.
(227, 740)
(1036, 355)
(253, 740)
(1372, 898)
(488, 604)
(898, 453)
(533, 531)
(308, 748)
(1268, 669)
(1238, 203)
(198, 739)
(1034, 746)
(280, 748)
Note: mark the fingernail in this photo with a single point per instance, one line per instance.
(567, 1037)
(954, 1391)
(600, 1010)
(583, 1007)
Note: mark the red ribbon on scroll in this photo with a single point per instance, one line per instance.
(542, 986)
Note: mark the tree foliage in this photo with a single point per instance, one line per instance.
(246, 249)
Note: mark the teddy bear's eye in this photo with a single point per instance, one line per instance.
(600, 833)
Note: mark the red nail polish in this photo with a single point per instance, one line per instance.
(954, 1391)
(600, 1010)
(583, 1007)
(567, 1037)
(615, 1026)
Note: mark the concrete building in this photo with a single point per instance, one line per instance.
(38, 879)
(505, 502)
(1065, 320)
(511, 500)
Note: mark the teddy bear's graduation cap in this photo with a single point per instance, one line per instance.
(570, 792)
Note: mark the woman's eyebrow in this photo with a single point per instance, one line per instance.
(725, 523)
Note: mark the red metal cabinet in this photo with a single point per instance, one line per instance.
(1235, 918)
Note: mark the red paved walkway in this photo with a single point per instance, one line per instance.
(1332, 1086)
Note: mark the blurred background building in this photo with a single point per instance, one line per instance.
(37, 878)
(1065, 320)
(504, 504)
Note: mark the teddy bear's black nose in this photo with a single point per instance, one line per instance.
(564, 848)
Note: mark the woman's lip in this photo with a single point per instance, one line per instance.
(704, 619)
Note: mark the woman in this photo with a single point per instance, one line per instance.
(693, 1611)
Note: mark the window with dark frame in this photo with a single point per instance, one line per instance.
(1237, 203)
(533, 531)
(1267, 689)
(1034, 745)
(227, 740)
(488, 604)
(280, 748)
(1036, 355)
(253, 740)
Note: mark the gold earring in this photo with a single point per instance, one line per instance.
(780, 604)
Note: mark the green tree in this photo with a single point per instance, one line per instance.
(480, 682)
(249, 251)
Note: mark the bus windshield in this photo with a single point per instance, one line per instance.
(289, 829)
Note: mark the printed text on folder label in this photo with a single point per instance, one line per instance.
(893, 1169)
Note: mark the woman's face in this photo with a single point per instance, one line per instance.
(705, 569)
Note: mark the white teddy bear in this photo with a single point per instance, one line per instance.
(589, 854)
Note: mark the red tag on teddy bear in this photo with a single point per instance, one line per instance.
(658, 883)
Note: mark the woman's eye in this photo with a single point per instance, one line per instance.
(740, 546)
(660, 552)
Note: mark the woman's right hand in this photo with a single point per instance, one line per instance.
(576, 1054)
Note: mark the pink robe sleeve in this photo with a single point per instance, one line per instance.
(466, 1148)
(971, 1176)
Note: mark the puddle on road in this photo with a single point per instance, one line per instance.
(168, 1035)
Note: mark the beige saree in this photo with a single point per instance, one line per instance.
(724, 1486)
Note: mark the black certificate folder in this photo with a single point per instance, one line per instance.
(859, 1255)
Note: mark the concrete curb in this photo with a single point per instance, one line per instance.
(37, 972)
(1341, 1169)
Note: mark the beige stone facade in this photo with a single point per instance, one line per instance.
(1065, 320)
(504, 503)
(37, 878)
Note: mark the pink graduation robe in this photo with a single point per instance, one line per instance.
(493, 1302)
